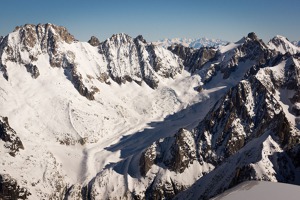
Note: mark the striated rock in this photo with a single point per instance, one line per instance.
(94, 41)
(9, 136)
(176, 153)
(148, 158)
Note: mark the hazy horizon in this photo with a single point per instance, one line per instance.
(157, 20)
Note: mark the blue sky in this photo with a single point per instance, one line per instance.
(229, 20)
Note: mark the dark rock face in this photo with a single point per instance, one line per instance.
(3, 67)
(94, 41)
(141, 38)
(8, 135)
(78, 84)
(175, 153)
(33, 70)
(10, 190)
(194, 59)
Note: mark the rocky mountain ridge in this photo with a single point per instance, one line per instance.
(126, 119)
(122, 57)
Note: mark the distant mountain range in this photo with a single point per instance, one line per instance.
(297, 43)
(194, 43)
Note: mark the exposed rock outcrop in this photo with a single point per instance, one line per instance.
(33, 70)
(94, 41)
(10, 190)
(194, 59)
(9, 136)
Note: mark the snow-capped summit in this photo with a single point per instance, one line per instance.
(283, 45)
(119, 58)
(194, 43)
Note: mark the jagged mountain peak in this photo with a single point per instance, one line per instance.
(94, 41)
(256, 40)
(283, 45)
(123, 38)
(141, 38)
(252, 36)
(30, 33)
(119, 38)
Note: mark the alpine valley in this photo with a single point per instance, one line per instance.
(130, 119)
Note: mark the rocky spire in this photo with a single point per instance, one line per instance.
(252, 36)
(94, 41)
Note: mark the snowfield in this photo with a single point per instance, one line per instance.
(261, 190)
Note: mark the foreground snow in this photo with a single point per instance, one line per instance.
(261, 190)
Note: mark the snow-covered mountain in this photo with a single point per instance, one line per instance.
(194, 43)
(283, 45)
(247, 134)
(127, 119)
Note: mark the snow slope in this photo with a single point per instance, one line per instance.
(261, 190)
